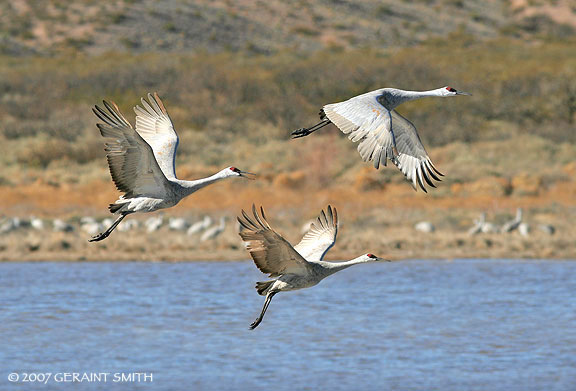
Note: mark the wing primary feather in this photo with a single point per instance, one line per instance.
(335, 217)
(431, 172)
(264, 218)
(160, 103)
(424, 171)
(152, 99)
(418, 176)
(103, 116)
(147, 106)
(434, 168)
(253, 227)
(255, 212)
(115, 114)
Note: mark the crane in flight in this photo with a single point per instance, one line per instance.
(384, 134)
(142, 161)
(295, 267)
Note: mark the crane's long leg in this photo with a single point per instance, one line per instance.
(105, 234)
(266, 304)
(302, 132)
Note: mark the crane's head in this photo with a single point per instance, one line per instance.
(449, 91)
(373, 258)
(233, 171)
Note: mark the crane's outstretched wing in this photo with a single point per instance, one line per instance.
(271, 253)
(131, 160)
(383, 134)
(321, 236)
(155, 126)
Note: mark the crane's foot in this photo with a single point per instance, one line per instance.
(255, 324)
(302, 132)
(99, 237)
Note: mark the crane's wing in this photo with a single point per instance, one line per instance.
(271, 253)
(131, 160)
(384, 134)
(321, 236)
(412, 160)
(155, 126)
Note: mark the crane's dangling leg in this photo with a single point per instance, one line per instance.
(105, 234)
(266, 304)
(302, 132)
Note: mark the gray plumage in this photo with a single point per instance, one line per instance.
(142, 160)
(382, 133)
(292, 267)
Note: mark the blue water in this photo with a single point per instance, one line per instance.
(415, 325)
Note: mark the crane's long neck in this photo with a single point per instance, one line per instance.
(397, 97)
(189, 187)
(333, 267)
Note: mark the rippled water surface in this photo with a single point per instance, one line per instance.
(415, 325)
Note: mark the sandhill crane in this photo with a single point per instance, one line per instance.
(384, 134)
(154, 223)
(90, 226)
(128, 225)
(199, 226)
(62, 226)
(478, 224)
(295, 267)
(547, 228)
(524, 229)
(514, 223)
(213, 232)
(425, 226)
(142, 160)
(36, 223)
(177, 224)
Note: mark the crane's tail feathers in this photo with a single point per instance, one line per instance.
(263, 286)
(115, 207)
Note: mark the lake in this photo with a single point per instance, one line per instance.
(411, 325)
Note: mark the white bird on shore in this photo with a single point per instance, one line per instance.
(547, 228)
(214, 232)
(524, 229)
(91, 227)
(425, 226)
(142, 161)
(36, 223)
(478, 224)
(295, 267)
(9, 224)
(128, 226)
(199, 226)
(514, 223)
(62, 226)
(384, 134)
(177, 224)
(154, 223)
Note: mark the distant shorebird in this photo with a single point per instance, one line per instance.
(213, 232)
(514, 223)
(199, 226)
(425, 226)
(384, 134)
(154, 223)
(178, 224)
(295, 267)
(142, 161)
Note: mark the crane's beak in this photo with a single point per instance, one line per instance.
(463, 93)
(247, 175)
(384, 260)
